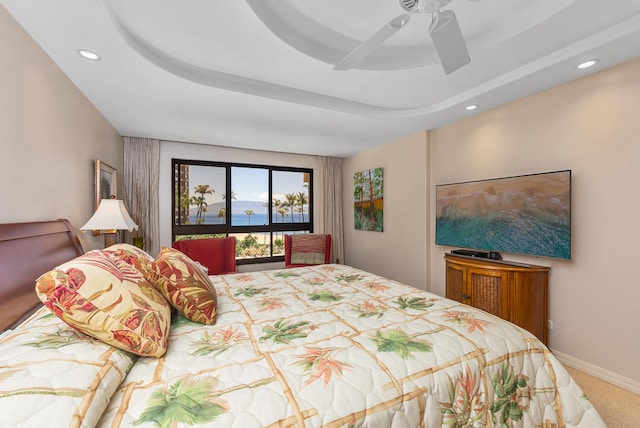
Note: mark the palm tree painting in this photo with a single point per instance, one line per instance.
(368, 196)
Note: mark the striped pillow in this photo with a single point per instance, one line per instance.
(308, 249)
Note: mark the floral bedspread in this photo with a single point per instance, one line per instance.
(53, 376)
(325, 346)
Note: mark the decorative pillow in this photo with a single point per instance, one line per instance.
(132, 255)
(106, 298)
(308, 249)
(307, 258)
(187, 288)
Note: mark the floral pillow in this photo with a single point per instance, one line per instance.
(130, 254)
(184, 284)
(109, 299)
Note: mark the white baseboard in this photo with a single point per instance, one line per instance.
(600, 373)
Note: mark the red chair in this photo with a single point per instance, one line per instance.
(307, 249)
(216, 254)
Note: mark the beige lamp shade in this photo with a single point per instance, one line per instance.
(110, 215)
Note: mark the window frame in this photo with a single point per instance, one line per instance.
(226, 228)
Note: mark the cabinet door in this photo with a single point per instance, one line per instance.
(455, 284)
(529, 306)
(489, 291)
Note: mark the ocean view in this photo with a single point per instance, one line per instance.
(244, 220)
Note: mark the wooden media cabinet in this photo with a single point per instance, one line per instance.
(512, 291)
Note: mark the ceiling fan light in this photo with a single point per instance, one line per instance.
(587, 64)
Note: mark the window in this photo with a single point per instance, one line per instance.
(257, 204)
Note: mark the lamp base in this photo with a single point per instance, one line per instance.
(109, 238)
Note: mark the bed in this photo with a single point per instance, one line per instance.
(319, 346)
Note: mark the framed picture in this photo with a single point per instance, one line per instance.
(106, 181)
(368, 200)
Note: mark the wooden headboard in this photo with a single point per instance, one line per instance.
(27, 250)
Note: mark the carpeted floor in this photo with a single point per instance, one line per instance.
(618, 407)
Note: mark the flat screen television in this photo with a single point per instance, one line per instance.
(526, 214)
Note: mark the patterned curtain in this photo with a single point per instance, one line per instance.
(141, 181)
(330, 221)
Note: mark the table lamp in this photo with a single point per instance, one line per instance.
(110, 217)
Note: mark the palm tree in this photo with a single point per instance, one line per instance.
(283, 212)
(375, 190)
(233, 196)
(285, 206)
(291, 199)
(249, 213)
(276, 205)
(303, 199)
(201, 189)
(199, 202)
(223, 211)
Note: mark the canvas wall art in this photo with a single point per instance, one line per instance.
(368, 197)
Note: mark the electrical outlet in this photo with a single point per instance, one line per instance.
(550, 324)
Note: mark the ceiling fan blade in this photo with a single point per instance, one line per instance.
(372, 43)
(448, 41)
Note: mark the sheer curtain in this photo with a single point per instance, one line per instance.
(141, 180)
(330, 221)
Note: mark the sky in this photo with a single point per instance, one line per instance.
(249, 184)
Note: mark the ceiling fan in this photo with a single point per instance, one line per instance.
(444, 30)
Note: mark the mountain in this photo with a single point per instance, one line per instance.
(239, 207)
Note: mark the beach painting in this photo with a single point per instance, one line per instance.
(368, 197)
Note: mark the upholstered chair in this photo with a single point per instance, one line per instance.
(216, 254)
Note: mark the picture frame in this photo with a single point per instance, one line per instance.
(106, 182)
(368, 200)
(106, 185)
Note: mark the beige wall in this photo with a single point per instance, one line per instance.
(49, 137)
(400, 251)
(591, 126)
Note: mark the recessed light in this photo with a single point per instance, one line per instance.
(85, 53)
(587, 64)
(471, 107)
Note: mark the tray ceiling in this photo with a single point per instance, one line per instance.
(259, 73)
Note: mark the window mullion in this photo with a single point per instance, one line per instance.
(229, 197)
